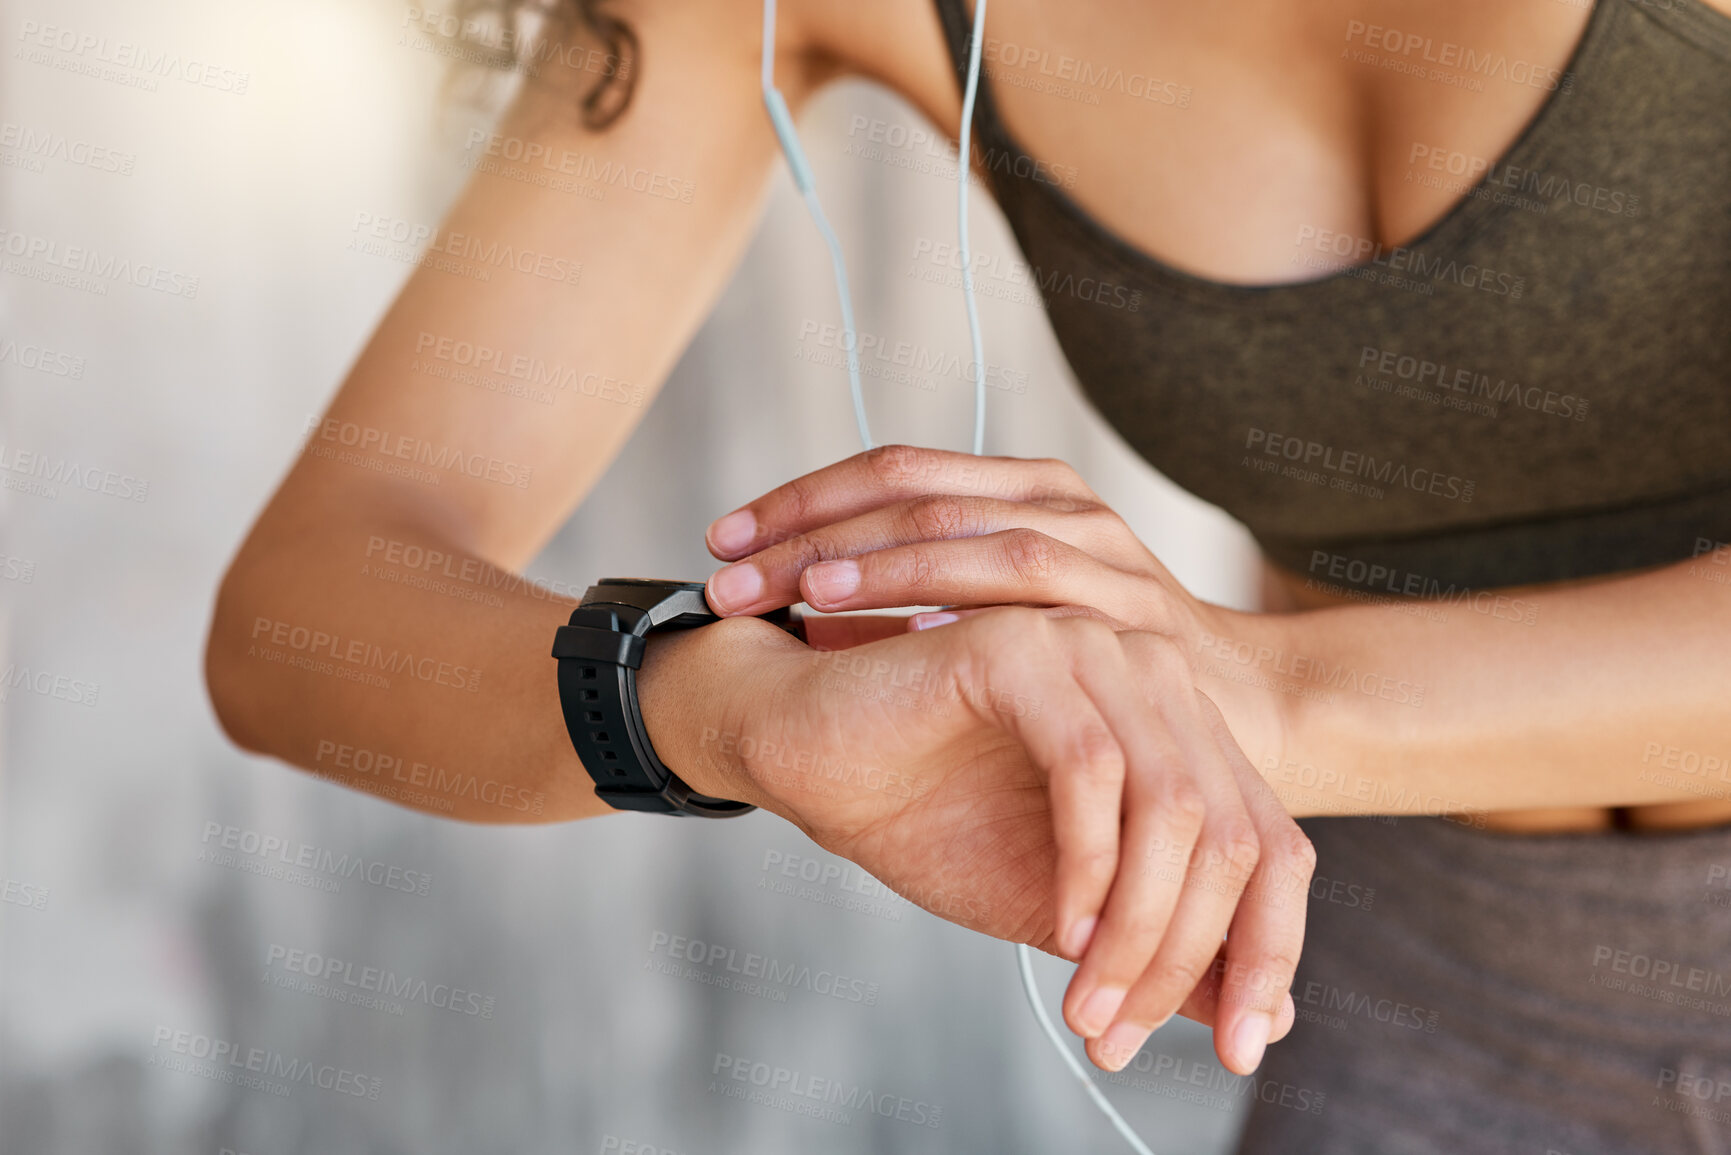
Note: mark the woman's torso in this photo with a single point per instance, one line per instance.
(1221, 155)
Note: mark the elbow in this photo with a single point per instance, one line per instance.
(228, 679)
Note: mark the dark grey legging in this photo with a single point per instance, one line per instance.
(1464, 991)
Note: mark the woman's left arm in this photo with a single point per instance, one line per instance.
(1615, 692)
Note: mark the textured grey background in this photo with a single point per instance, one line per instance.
(106, 808)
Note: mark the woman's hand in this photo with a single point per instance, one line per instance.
(1045, 780)
(899, 526)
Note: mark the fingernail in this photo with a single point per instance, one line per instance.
(1120, 1044)
(736, 586)
(832, 581)
(1099, 1009)
(1250, 1039)
(927, 621)
(734, 532)
(1081, 931)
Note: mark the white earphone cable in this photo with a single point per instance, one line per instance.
(964, 173)
(782, 120)
(802, 178)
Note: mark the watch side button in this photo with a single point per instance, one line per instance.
(598, 645)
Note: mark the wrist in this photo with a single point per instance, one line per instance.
(699, 691)
(1250, 666)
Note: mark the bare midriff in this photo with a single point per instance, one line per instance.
(1283, 590)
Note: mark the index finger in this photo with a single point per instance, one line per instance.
(884, 476)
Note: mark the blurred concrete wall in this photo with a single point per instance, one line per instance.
(132, 940)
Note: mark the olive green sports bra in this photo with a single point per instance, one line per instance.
(1537, 388)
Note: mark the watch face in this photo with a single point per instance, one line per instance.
(662, 604)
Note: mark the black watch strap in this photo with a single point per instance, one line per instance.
(599, 652)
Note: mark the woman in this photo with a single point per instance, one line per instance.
(1434, 300)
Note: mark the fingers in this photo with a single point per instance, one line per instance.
(1162, 806)
(1203, 1003)
(771, 576)
(1012, 566)
(1182, 882)
(883, 476)
(1267, 933)
(1084, 763)
(1209, 871)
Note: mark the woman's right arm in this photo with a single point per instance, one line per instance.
(372, 628)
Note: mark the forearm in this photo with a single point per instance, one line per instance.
(386, 658)
(381, 656)
(1614, 693)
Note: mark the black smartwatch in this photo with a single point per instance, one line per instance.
(599, 652)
